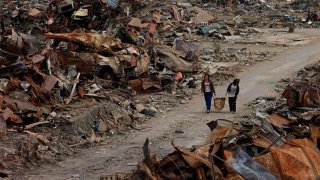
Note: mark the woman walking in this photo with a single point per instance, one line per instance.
(207, 89)
(232, 92)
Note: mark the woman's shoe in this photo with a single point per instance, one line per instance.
(208, 111)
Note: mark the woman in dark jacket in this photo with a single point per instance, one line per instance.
(232, 92)
(207, 89)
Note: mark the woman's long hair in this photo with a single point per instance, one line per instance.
(204, 77)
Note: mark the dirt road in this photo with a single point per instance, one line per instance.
(123, 152)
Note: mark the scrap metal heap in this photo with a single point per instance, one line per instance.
(55, 62)
(63, 56)
(45, 71)
(281, 141)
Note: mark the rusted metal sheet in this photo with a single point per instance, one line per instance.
(293, 163)
(299, 159)
(191, 155)
(312, 153)
(278, 120)
(94, 40)
(268, 161)
(195, 159)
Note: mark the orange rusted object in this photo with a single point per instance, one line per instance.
(304, 95)
(298, 159)
(278, 120)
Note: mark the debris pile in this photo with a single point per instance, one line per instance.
(70, 69)
(53, 70)
(282, 132)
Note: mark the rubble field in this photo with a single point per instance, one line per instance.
(77, 74)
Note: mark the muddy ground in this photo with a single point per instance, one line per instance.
(187, 122)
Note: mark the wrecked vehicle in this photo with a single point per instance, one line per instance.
(99, 54)
(109, 58)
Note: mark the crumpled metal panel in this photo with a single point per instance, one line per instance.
(299, 159)
(94, 40)
(188, 47)
(172, 61)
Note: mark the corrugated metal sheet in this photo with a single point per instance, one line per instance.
(298, 159)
